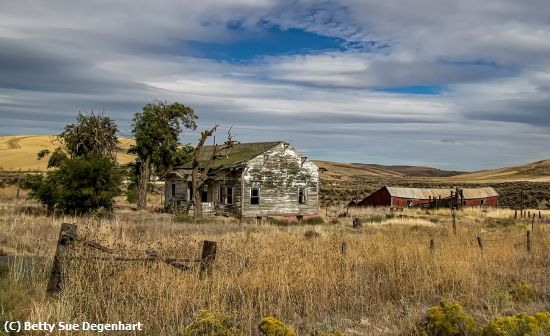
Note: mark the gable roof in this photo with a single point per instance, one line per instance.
(426, 193)
(238, 153)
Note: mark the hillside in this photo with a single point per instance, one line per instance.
(415, 171)
(19, 152)
(532, 172)
(342, 170)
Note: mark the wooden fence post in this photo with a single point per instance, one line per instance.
(453, 213)
(207, 258)
(67, 235)
(344, 249)
(357, 223)
(528, 241)
(480, 243)
(18, 184)
(540, 215)
(533, 223)
(432, 246)
(516, 214)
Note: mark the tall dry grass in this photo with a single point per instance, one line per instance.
(382, 286)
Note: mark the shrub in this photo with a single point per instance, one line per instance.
(313, 221)
(209, 323)
(519, 325)
(270, 326)
(522, 292)
(448, 319)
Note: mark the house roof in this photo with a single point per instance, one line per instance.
(426, 193)
(238, 153)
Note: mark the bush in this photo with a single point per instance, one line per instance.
(448, 319)
(78, 186)
(522, 292)
(519, 325)
(270, 326)
(209, 323)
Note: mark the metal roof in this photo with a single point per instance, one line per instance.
(426, 193)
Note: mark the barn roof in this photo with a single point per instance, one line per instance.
(426, 193)
(238, 153)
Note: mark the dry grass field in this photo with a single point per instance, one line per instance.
(19, 152)
(382, 285)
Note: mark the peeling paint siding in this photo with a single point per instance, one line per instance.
(279, 173)
(181, 191)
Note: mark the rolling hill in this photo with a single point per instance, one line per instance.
(19, 152)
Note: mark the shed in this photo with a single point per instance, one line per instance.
(411, 197)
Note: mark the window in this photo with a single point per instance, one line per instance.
(229, 193)
(483, 202)
(302, 195)
(204, 196)
(409, 203)
(226, 195)
(255, 195)
(173, 190)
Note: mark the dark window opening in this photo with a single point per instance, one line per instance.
(255, 196)
(302, 195)
(204, 196)
(482, 202)
(409, 203)
(229, 193)
(173, 190)
(226, 195)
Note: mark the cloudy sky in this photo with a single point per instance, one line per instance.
(461, 84)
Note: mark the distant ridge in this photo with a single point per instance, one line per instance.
(416, 171)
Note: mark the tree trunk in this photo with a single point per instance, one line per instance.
(197, 205)
(143, 183)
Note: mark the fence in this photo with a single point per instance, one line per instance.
(68, 237)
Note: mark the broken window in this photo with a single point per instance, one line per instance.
(173, 190)
(302, 195)
(226, 195)
(255, 195)
(229, 192)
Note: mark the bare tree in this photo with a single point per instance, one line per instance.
(201, 168)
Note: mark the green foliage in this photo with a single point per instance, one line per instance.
(270, 326)
(93, 135)
(209, 323)
(78, 185)
(519, 325)
(156, 130)
(448, 319)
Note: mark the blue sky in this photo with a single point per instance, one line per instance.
(457, 85)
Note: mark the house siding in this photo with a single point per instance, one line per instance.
(279, 172)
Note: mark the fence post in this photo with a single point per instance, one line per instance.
(528, 241)
(357, 223)
(207, 258)
(67, 235)
(344, 249)
(453, 213)
(480, 243)
(432, 246)
(516, 214)
(533, 223)
(540, 215)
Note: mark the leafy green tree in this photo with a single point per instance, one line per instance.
(84, 175)
(156, 131)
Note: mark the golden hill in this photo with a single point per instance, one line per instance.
(19, 152)
(341, 170)
(532, 172)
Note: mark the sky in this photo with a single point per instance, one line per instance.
(459, 85)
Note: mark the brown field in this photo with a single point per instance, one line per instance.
(383, 285)
(19, 152)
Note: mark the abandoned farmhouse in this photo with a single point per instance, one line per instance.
(251, 180)
(435, 197)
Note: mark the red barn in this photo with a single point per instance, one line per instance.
(411, 197)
